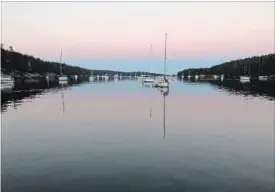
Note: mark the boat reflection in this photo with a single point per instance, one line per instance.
(62, 98)
(262, 89)
(164, 91)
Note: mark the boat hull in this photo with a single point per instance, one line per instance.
(63, 79)
(244, 79)
(148, 80)
(91, 78)
(263, 78)
(162, 84)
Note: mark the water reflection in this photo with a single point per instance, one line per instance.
(255, 89)
(26, 92)
(62, 98)
(164, 92)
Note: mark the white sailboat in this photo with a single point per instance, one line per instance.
(245, 78)
(262, 77)
(222, 77)
(91, 78)
(6, 79)
(106, 77)
(164, 81)
(7, 82)
(63, 79)
(189, 76)
(149, 78)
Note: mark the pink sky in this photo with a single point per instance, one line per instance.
(93, 30)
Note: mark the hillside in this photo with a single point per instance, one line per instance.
(262, 65)
(15, 62)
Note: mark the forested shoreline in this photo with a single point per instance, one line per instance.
(254, 66)
(17, 64)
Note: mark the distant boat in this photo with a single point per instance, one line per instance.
(215, 77)
(222, 77)
(62, 78)
(76, 77)
(196, 77)
(149, 78)
(106, 77)
(164, 81)
(262, 77)
(6, 79)
(245, 78)
(91, 78)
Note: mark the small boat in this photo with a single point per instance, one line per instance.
(149, 78)
(215, 77)
(164, 81)
(62, 78)
(106, 77)
(196, 77)
(6, 79)
(76, 77)
(245, 78)
(263, 78)
(222, 77)
(91, 78)
(189, 76)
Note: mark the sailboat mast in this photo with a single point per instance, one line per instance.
(165, 56)
(150, 59)
(61, 62)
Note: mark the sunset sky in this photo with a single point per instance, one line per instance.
(115, 36)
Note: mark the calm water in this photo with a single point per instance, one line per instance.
(122, 136)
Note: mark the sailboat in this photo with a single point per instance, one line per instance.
(7, 82)
(262, 77)
(222, 77)
(6, 79)
(164, 81)
(245, 78)
(116, 77)
(91, 78)
(106, 77)
(149, 79)
(189, 76)
(62, 78)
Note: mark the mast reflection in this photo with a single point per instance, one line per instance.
(62, 98)
(164, 92)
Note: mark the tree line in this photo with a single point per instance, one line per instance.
(253, 66)
(13, 61)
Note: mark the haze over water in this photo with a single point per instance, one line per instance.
(110, 137)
